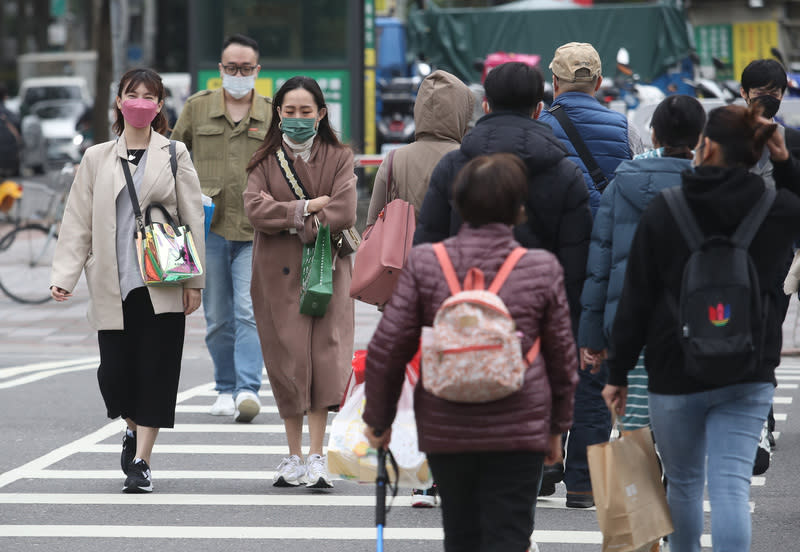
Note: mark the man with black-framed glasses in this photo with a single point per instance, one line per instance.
(223, 128)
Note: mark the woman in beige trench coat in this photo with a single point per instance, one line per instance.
(140, 329)
(308, 359)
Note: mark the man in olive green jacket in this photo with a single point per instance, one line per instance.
(223, 128)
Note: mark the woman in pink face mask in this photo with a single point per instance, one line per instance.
(140, 329)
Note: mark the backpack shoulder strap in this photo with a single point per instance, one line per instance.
(533, 352)
(173, 159)
(679, 207)
(595, 172)
(752, 222)
(447, 268)
(506, 268)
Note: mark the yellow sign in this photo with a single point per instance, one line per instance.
(752, 41)
(370, 139)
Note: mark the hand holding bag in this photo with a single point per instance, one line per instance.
(166, 252)
(632, 508)
(384, 249)
(317, 275)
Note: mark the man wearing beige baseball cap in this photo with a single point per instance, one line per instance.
(606, 141)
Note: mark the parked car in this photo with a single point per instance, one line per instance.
(53, 123)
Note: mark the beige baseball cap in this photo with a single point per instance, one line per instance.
(573, 56)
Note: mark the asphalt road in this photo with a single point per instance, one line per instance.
(60, 480)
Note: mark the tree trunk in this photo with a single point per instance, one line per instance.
(101, 42)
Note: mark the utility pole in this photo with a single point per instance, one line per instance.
(149, 33)
(101, 43)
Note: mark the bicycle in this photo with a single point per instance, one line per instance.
(26, 251)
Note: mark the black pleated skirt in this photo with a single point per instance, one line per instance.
(140, 366)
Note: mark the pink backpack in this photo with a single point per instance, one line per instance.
(472, 354)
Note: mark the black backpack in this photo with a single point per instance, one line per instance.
(721, 312)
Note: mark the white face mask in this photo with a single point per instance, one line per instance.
(237, 86)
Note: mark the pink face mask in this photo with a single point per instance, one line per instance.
(139, 113)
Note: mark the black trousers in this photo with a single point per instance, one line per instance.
(488, 499)
(140, 366)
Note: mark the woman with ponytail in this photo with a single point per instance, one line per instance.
(140, 329)
(706, 429)
(676, 126)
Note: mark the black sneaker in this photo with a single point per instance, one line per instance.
(552, 474)
(138, 480)
(128, 451)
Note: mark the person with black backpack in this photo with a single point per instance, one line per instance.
(697, 293)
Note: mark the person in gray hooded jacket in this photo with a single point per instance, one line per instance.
(442, 113)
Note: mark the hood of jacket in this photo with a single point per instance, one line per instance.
(443, 107)
(721, 196)
(648, 177)
(510, 132)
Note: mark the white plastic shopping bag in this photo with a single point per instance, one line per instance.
(351, 457)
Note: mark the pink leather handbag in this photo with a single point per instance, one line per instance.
(384, 249)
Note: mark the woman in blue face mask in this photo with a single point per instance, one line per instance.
(300, 179)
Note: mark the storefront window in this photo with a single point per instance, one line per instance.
(288, 32)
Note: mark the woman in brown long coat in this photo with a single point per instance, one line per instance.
(308, 359)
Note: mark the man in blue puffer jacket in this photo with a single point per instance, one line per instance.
(576, 71)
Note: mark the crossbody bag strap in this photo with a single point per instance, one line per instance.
(293, 181)
(132, 192)
(12, 128)
(597, 174)
(447, 268)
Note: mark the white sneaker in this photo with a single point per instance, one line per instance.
(317, 472)
(224, 405)
(247, 406)
(291, 472)
(534, 547)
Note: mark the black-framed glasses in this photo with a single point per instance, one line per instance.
(246, 70)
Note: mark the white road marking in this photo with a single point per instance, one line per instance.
(203, 409)
(202, 449)
(44, 374)
(303, 499)
(229, 428)
(780, 417)
(787, 386)
(275, 533)
(782, 400)
(16, 370)
(78, 445)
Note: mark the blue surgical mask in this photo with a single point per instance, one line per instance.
(237, 86)
(299, 129)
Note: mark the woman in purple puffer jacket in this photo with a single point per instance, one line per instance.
(486, 458)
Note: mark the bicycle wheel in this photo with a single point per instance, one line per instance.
(25, 263)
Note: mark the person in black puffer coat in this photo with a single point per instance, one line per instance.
(557, 206)
(705, 429)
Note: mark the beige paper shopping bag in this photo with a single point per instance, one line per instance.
(631, 504)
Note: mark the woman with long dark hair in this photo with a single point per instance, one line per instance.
(140, 329)
(708, 427)
(301, 178)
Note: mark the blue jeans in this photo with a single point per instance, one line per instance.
(231, 334)
(591, 424)
(713, 433)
